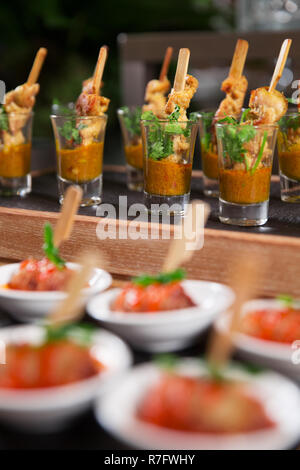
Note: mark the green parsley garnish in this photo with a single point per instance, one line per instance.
(166, 361)
(286, 299)
(234, 138)
(50, 250)
(71, 131)
(207, 122)
(78, 333)
(3, 119)
(132, 119)
(163, 278)
(160, 138)
(289, 122)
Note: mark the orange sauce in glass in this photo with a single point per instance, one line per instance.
(81, 164)
(167, 178)
(289, 163)
(15, 160)
(134, 155)
(210, 164)
(243, 187)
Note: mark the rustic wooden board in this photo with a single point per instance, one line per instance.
(21, 235)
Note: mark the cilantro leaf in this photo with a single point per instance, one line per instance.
(132, 119)
(50, 250)
(3, 119)
(163, 278)
(79, 333)
(70, 131)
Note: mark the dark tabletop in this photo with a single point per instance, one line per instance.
(284, 218)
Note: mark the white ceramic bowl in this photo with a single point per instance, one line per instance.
(277, 356)
(280, 396)
(28, 306)
(51, 409)
(169, 330)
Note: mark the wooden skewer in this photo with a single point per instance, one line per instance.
(97, 79)
(221, 344)
(182, 249)
(69, 209)
(37, 66)
(166, 63)
(71, 308)
(182, 68)
(239, 59)
(298, 99)
(284, 51)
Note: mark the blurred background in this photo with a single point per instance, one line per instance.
(73, 32)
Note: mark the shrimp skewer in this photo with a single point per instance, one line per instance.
(157, 89)
(91, 103)
(21, 101)
(235, 85)
(185, 86)
(267, 104)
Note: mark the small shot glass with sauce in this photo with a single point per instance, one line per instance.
(288, 143)
(168, 159)
(245, 165)
(130, 123)
(79, 142)
(15, 153)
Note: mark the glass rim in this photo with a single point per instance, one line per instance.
(68, 116)
(256, 126)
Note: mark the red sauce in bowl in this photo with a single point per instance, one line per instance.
(52, 364)
(280, 325)
(202, 406)
(153, 298)
(40, 275)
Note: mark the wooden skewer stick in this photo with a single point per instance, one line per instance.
(298, 99)
(37, 66)
(69, 209)
(221, 344)
(182, 68)
(71, 308)
(239, 59)
(97, 78)
(284, 51)
(182, 249)
(166, 63)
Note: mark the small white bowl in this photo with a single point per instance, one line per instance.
(51, 409)
(169, 330)
(30, 306)
(272, 354)
(280, 397)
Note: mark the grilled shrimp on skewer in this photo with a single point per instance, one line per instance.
(90, 103)
(156, 90)
(21, 101)
(235, 85)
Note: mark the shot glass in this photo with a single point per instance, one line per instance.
(15, 154)
(168, 160)
(288, 144)
(209, 153)
(245, 166)
(79, 148)
(129, 118)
